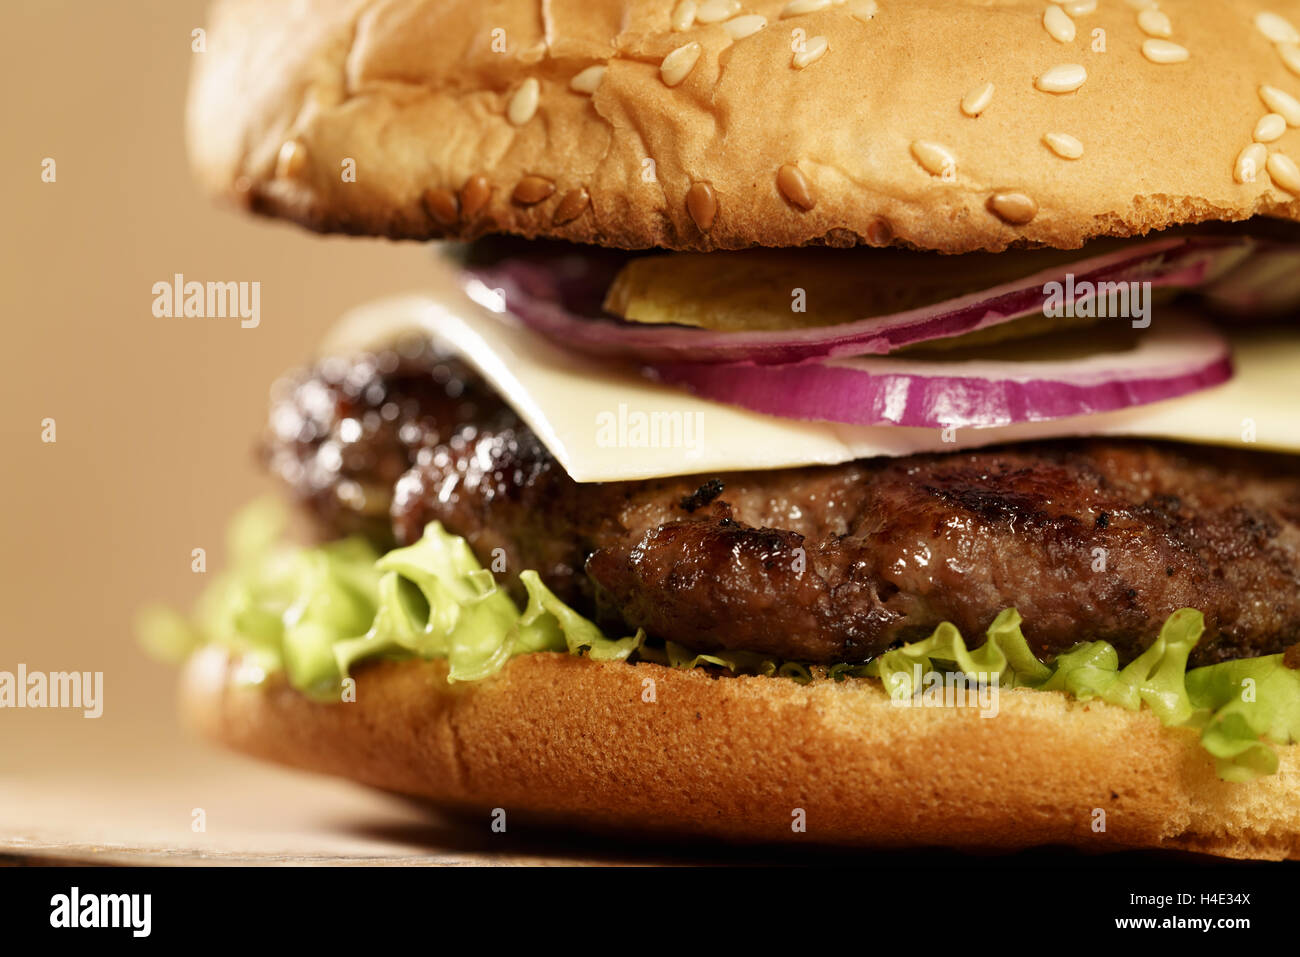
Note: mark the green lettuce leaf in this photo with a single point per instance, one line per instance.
(1247, 703)
(315, 613)
(279, 606)
(1004, 657)
(1242, 707)
(548, 624)
(439, 602)
(1157, 677)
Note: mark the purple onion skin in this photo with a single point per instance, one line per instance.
(838, 394)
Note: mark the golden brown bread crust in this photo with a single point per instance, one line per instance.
(733, 758)
(418, 96)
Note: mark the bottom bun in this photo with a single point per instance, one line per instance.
(656, 750)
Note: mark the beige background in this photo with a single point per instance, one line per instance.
(155, 421)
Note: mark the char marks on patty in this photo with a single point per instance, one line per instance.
(1089, 539)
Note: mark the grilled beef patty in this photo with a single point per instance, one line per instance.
(1089, 539)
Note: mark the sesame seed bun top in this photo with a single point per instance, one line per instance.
(952, 125)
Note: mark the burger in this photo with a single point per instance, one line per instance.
(837, 421)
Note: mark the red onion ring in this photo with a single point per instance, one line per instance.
(1264, 286)
(1175, 356)
(541, 294)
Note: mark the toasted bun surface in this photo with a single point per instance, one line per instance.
(652, 749)
(417, 119)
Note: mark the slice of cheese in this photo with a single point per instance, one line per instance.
(605, 422)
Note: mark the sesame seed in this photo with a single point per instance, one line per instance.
(794, 186)
(935, 158)
(1141, 4)
(683, 15)
(523, 105)
(1285, 173)
(532, 189)
(879, 232)
(1064, 145)
(1278, 29)
(1290, 54)
(1163, 51)
(1270, 127)
(1014, 208)
(977, 100)
(715, 11)
(533, 54)
(797, 8)
(1065, 78)
(863, 10)
(1155, 23)
(572, 205)
(1249, 163)
(291, 160)
(441, 205)
(474, 196)
(588, 80)
(812, 52)
(746, 26)
(678, 64)
(1081, 8)
(1279, 101)
(1058, 24)
(702, 204)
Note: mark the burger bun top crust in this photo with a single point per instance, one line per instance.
(598, 121)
